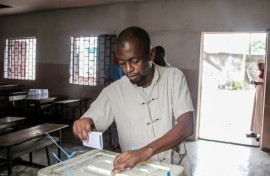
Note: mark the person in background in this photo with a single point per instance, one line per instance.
(151, 106)
(159, 58)
(257, 115)
(114, 70)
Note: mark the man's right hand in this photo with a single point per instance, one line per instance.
(82, 127)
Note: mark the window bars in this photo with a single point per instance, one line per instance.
(90, 58)
(20, 58)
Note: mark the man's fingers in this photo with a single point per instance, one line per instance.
(84, 133)
(81, 128)
(123, 162)
(116, 161)
(86, 128)
(79, 132)
(76, 130)
(130, 166)
(122, 167)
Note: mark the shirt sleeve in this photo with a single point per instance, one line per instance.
(182, 102)
(100, 111)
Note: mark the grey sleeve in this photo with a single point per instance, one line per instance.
(100, 111)
(182, 102)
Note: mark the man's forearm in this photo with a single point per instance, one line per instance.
(183, 129)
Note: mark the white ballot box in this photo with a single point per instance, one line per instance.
(100, 162)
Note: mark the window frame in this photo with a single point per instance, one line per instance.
(99, 51)
(20, 58)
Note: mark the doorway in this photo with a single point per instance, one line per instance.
(228, 65)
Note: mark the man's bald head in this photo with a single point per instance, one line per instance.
(137, 34)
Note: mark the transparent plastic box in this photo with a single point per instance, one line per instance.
(38, 94)
(100, 163)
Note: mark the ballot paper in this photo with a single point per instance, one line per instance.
(95, 140)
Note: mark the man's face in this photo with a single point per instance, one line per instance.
(134, 61)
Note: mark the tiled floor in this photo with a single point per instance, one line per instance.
(220, 159)
(207, 158)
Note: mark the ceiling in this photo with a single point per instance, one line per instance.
(26, 6)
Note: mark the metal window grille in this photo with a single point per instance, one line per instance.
(20, 58)
(90, 58)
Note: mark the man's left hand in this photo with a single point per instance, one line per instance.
(127, 160)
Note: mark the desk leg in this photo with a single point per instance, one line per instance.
(85, 105)
(60, 141)
(81, 104)
(64, 114)
(31, 157)
(9, 160)
(48, 156)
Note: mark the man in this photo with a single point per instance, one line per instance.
(159, 58)
(151, 105)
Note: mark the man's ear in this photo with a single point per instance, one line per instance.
(152, 54)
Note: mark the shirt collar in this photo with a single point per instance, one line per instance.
(156, 74)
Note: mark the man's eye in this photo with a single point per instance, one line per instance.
(135, 60)
(121, 63)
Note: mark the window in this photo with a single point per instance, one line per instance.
(90, 58)
(20, 58)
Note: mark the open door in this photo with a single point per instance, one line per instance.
(228, 65)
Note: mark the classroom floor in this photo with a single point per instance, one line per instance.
(207, 158)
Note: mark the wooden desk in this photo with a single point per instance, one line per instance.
(10, 87)
(66, 105)
(84, 104)
(25, 135)
(7, 122)
(36, 105)
(7, 97)
(16, 103)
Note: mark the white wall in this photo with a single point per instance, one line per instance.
(175, 24)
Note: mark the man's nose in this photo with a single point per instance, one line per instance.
(129, 67)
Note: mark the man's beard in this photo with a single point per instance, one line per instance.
(140, 82)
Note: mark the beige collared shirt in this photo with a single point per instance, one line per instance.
(143, 118)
